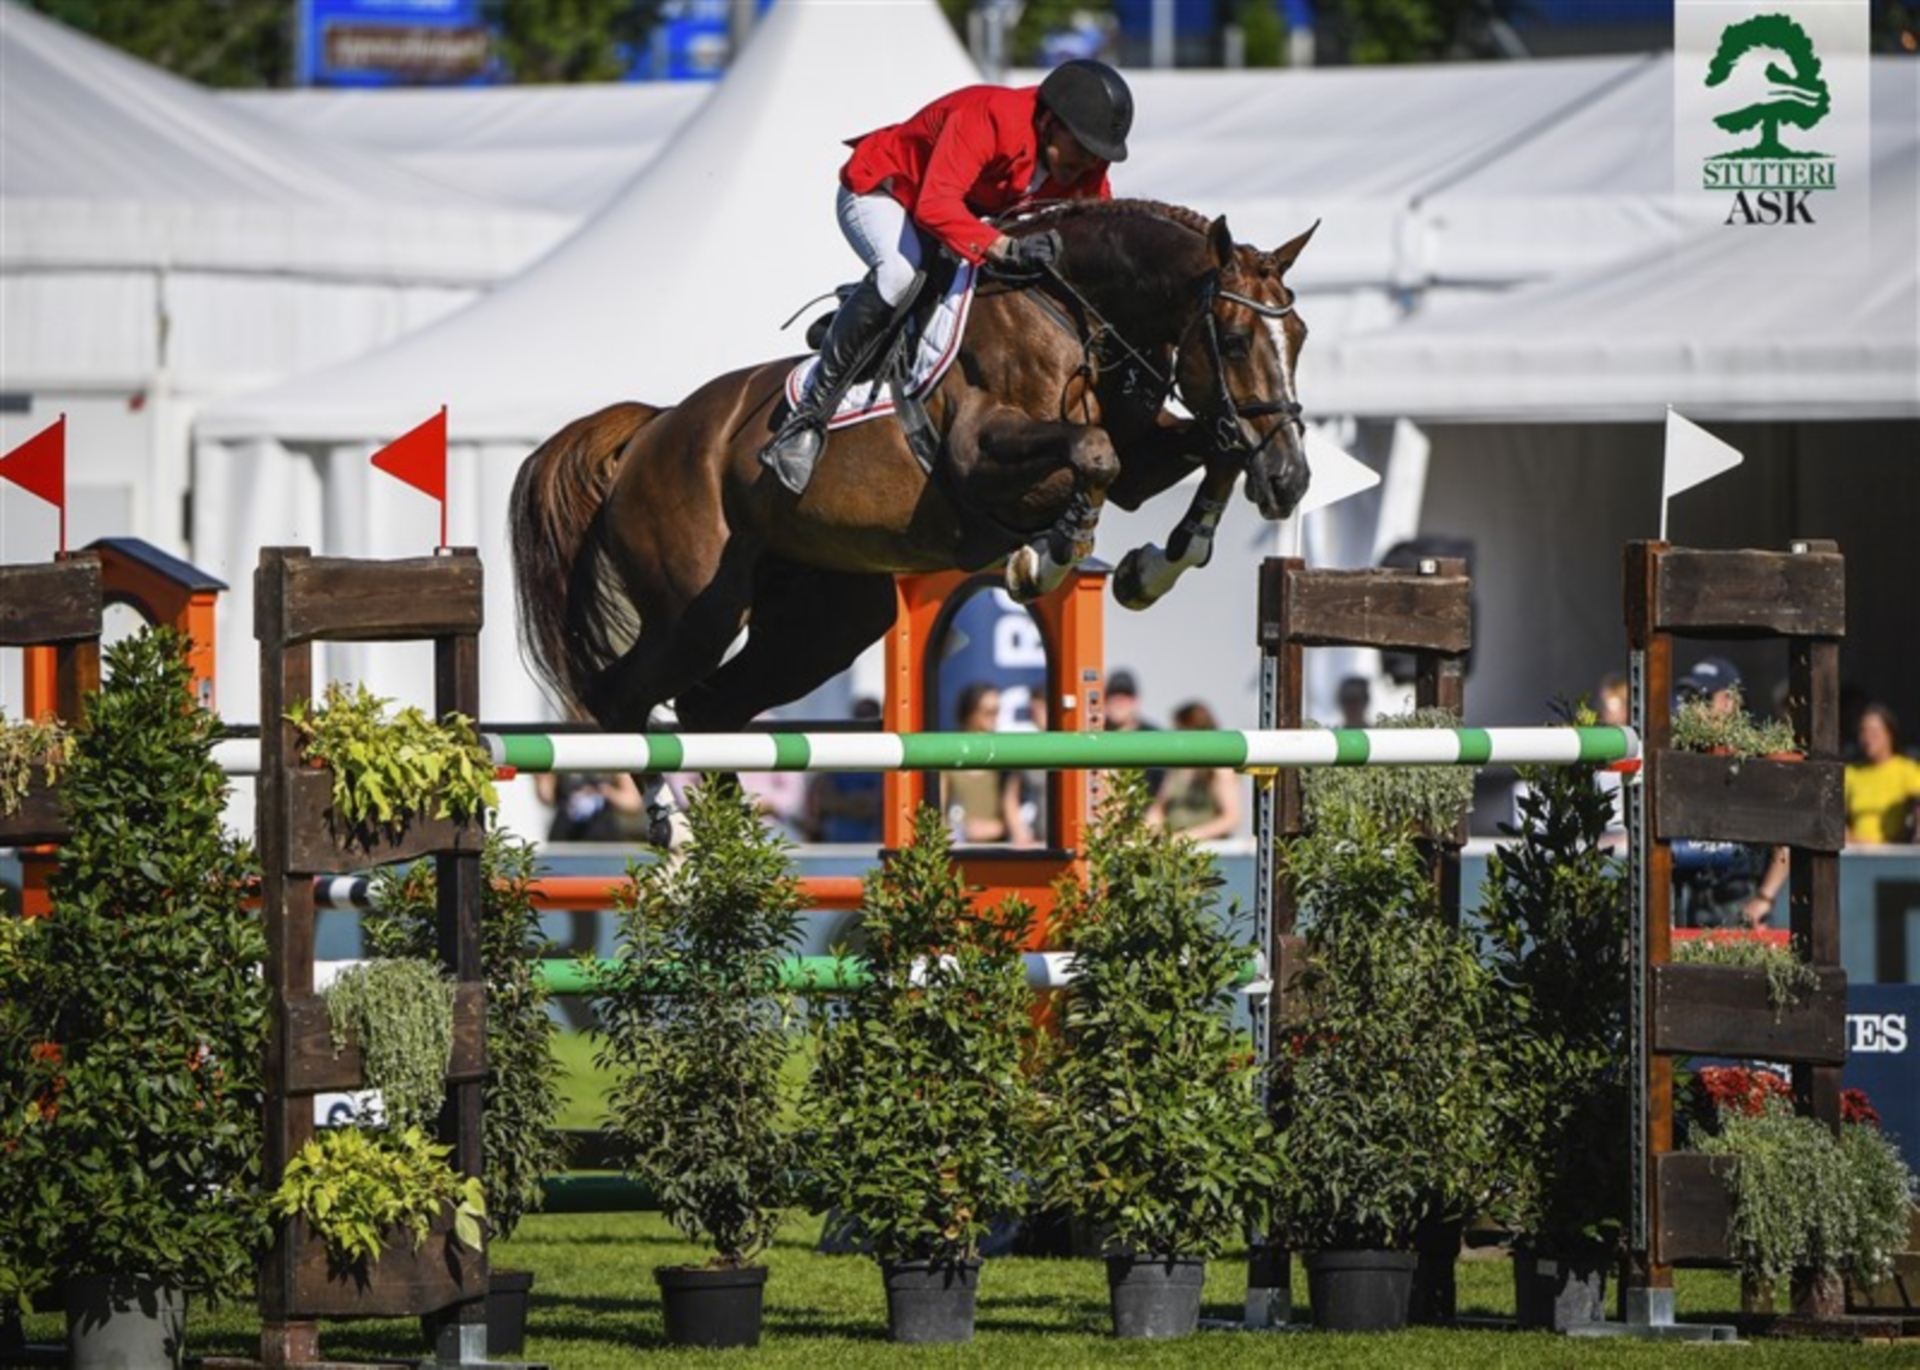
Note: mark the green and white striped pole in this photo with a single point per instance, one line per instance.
(757, 752)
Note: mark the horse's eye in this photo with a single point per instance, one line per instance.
(1236, 345)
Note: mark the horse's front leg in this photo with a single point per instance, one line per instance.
(1014, 447)
(1145, 574)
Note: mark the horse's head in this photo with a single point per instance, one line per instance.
(1236, 368)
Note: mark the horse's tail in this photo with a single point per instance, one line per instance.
(575, 617)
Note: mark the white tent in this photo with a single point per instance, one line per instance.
(1543, 411)
(157, 248)
(688, 273)
(556, 149)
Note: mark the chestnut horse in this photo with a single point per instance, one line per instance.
(646, 539)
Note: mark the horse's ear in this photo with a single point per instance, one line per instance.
(1220, 240)
(1284, 255)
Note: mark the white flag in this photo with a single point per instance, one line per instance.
(1694, 456)
(1336, 476)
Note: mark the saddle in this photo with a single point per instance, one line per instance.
(909, 361)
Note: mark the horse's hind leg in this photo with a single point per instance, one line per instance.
(805, 627)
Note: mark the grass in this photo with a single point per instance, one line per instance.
(596, 1308)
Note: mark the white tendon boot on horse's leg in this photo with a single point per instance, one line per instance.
(1032, 572)
(1147, 573)
(667, 826)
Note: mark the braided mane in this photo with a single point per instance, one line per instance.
(1049, 215)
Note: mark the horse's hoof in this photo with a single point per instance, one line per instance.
(1023, 576)
(1128, 592)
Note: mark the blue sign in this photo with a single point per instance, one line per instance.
(392, 42)
(1883, 1059)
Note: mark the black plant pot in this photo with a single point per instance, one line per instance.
(123, 1320)
(1556, 1293)
(1155, 1297)
(930, 1301)
(1359, 1291)
(708, 1307)
(509, 1296)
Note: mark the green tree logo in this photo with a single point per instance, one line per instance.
(1798, 95)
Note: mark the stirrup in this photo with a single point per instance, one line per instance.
(793, 451)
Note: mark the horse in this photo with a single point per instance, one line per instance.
(646, 538)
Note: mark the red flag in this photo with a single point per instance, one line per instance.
(39, 466)
(420, 459)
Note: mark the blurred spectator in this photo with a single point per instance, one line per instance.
(1722, 884)
(844, 806)
(1123, 716)
(1201, 801)
(779, 796)
(1610, 711)
(593, 808)
(1883, 787)
(983, 806)
(1355, 699)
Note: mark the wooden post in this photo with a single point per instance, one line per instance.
(300, 600)
(1427, 612)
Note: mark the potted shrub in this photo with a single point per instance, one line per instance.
(1385, 1091)
(1157, 1136)
(919, 1103)
(696, 1030)
(520, 1098)
(31, 755)
(1728, 730)
(399, 1012)
(133, 1145)
(367, 1195)
(1553, 925)
(1822, 1208)
(378, 778)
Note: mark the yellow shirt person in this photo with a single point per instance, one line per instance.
(1883, 787)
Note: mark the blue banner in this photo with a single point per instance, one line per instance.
(393, 42)
(1882, 1021)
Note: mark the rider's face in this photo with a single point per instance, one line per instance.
(1062, 154)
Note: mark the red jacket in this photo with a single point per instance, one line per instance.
(967, 154)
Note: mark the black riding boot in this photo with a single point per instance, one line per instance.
(858, 328)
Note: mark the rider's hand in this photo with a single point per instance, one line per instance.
(1034, 252)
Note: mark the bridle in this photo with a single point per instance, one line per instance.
(1229, 433)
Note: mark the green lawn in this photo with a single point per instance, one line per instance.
(596, 1308)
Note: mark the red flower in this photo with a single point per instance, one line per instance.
(45, 1053)
(1736, 1089)
(1854, 1108)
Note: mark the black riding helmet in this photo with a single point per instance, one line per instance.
(1094, 103)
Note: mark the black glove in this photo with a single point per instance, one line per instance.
(1035, 252)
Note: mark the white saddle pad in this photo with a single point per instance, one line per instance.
(939, 344)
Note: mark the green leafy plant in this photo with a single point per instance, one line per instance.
(1553, 928)
(697, 1029)
(27, 747)
(1790, 980)
(1430, 799)
(1805, 1199)
(387, 768)
(135, 1016)
(354, 1188)
(1699, 727)
(400, 1013)
(1157, 1132)
(520, 1098)
(919, 1106)
(1385, 1091)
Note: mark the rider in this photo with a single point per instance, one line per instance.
(982, 150)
